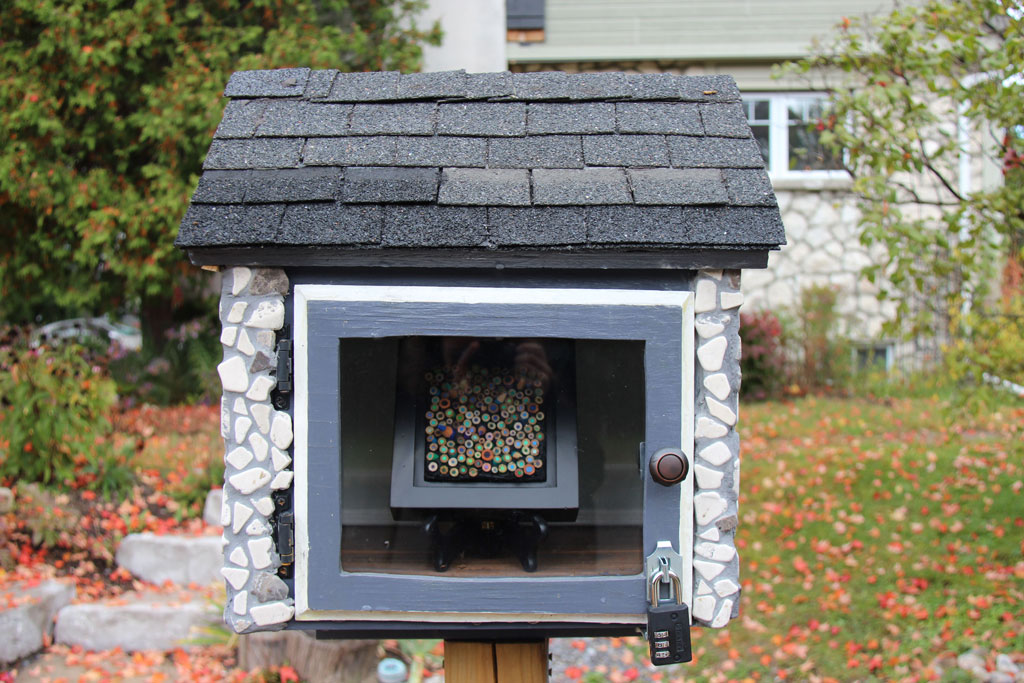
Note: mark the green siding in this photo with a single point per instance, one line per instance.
(600, 30)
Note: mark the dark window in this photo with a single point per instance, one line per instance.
(525, 14)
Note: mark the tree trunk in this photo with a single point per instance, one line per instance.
(324, 661)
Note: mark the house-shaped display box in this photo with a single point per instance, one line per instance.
(481, 351)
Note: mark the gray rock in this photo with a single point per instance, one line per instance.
(972, 660)
(1005, 664)
(6, 500)
(179, 559)
(136, 622)
(24, 627)
(211, 509)
(1000, 677)
(268, 587)
(268, 280)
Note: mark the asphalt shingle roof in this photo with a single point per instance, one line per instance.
(482, 161)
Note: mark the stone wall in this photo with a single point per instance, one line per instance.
(257, 438)
(716, 444)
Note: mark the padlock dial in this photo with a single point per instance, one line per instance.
(669, 466)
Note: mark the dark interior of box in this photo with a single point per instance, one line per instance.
(389, 383)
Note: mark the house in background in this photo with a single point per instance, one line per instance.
(743, 38)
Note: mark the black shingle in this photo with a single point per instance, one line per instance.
(599, 86)
(725, 120)
(653, 86)
(441, 151)
(389, 185)
(537, 226)
(689, 152)
(732, 225)
(414, 225)
(330, 224)
(482, 86)
(749, 187)
(406, 118)
(634, 225)
(542, 85)
(538, 151)
(293, 185)
(625, 150)
(674, 186)
(598, 117)
(361, 151)
(211, 225)
(373, 86)
(580, 187)
(266, 153)
(273, 83)
(680, 118)
(221, 187)
(240, 119)
(285, 118)
(439, 85)
(319, 84)
(485, 187)
(719, 88)
(482, 118)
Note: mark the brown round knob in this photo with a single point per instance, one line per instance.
(669, 467)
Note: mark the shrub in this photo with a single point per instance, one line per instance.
(991, 352)
(54, 419)
(821, 352)
(764, 358)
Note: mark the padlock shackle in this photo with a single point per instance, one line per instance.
(677, 586)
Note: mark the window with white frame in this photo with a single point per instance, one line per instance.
(787, 128)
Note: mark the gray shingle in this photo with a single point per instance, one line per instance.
(749, 187)
(535, 226)
(482, 118)
(599, 86)
(211, 225)
(271, 83)
(363, 151)
(328, 224)
(441, 151)
(319, 84)
(539, 151)
(653, 86)
(482, 86)
(580, 187)
(221, 187)
(407, 118)
(634, 225)
(293, 185)
(373, 86)
(719, 88)
(240, 119)
(680, 118)
(485, 187)
(598, 117)
(688, 152)
(625, 150)
(732, 225)
(438, 85)
(389, 185)
(287, 118)
(542, 85)
(725, 120)
(674, 186)
(266, 153)
(414, 225)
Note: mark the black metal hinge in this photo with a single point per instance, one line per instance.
(284, 531)
(283, 373)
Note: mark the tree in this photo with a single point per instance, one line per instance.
(920, 98)
(106, 110)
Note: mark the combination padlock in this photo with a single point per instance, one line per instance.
(668, 625)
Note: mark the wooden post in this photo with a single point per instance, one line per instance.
(470, 662)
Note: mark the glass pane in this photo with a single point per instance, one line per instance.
(807, 119)
(467, 455)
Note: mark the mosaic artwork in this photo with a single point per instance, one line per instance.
(483, 424)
